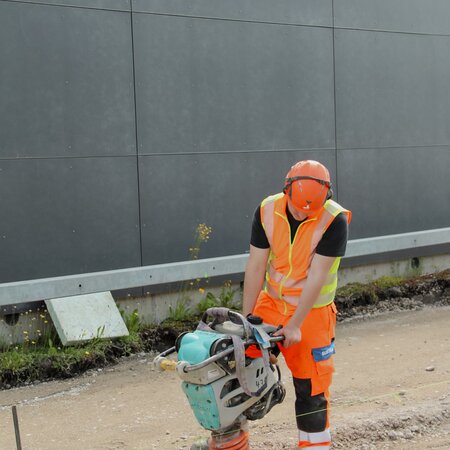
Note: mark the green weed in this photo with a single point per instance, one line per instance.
(225, 299)
(132, 321)
(181, 312)
(209, 301)
(387, 282)
(226, 296)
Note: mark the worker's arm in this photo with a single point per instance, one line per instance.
(254, 277)
(317, 276)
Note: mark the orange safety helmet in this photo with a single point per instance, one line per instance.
(308, 185)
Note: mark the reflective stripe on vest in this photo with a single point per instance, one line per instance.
(283, 284)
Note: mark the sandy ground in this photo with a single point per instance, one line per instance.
(391, 391)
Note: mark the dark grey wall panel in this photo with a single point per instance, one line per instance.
(305, 12)
(65, 216)
(114, 5)
(395, 190)
(180, 191)
(229, 94)
(419, 16)
(66, 82)
(392, 89)
(206, 85)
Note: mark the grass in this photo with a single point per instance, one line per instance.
(47, 358)
(369, 289)
(181, 312)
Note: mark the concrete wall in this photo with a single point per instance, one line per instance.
(126, 123)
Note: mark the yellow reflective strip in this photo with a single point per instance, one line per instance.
(271, 198)
(280, 286)
(324, 300)
(332, 274)
(329, 287)
(330, 279)
(267, 220)
(291, 246)
(321, 305)
(335, 266)
(290, 264)
(333, 208)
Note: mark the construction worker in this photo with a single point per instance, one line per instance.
(297, 240)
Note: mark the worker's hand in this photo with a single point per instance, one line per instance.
(292, 335)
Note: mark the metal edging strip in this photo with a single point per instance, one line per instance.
(65, 286)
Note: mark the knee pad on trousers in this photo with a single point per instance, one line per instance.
(311, 411)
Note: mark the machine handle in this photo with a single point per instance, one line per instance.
(243, 321)
(221, 314)
(190, 367)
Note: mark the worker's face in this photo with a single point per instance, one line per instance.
(298, 214)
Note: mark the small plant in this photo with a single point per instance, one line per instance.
(351, 289)
(135, 326)
(225, 299)
(209, 301)
(52, 350)
(100, 332)
(226, 296)
(387, 282)
(181, 311)
(132, 321)
(202, 235)
(367, 291)
(14, 361)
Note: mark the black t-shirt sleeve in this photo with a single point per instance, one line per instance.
(334, 240)
(258, 238)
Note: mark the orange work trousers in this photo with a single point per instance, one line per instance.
(318, 331)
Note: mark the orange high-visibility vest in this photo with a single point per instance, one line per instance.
(289, 262)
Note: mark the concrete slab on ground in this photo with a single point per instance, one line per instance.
(81, 318)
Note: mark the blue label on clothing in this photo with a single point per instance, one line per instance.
(323, 353)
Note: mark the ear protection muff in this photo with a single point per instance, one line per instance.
(288, 185)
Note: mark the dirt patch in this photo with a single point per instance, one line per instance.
(395, 430)
(412, 294)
